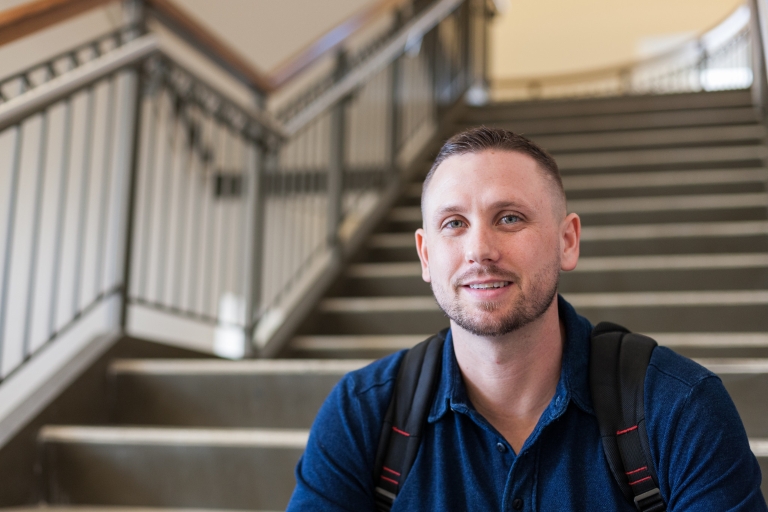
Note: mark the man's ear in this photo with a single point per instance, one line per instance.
(421, 248)
(570, 235)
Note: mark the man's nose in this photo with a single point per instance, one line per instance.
(481, 247)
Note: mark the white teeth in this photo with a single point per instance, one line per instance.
(484, 286)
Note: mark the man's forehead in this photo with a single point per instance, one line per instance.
(484, 172)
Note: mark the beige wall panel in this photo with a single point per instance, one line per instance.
(542, 37)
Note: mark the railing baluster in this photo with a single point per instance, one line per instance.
(101, 244)
(59, 233)
(336, 164)
(167, 190)
(149, 186)
(10, 225)
(83, 199)
(42, 161)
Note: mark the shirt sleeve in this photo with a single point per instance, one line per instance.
(336, 471)
(706, 450)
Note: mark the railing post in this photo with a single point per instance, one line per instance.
(758, 58)
(480, 16)
(254, 244)
(336, 161)
(133, 14)
(394, 104)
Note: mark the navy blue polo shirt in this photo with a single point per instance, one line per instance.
(696, 437)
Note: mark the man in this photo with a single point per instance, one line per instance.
(512, 425)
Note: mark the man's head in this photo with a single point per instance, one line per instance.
(480, 139)
(495, 233)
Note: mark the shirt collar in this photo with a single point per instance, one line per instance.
(451, 393)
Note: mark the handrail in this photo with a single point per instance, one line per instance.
(22, 106)
(409, 35)
(333, 39)
(612, 70)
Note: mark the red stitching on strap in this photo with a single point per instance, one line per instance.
(636, 481)
(401, 432)
(630, 429)
(390, 480)
(628, 472)
(391, 471)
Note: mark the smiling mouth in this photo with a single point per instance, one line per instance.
(486, 286)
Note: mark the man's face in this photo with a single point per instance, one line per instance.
(495, 238)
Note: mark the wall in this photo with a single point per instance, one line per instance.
(542, 37)
(264, 31)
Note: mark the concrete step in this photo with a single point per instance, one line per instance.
(662, 159)
(606, 274)
(169, 467)
(107, 508)
(633, 204)
(631, 210)
(646, 184)
(636, 239)
(255, 393)
(691, 344)
(536, 126)
(559, 108)
(660, 138)
(691, 183)
(715, 311)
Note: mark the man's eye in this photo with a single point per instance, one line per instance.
(510, 219)
(453, 224)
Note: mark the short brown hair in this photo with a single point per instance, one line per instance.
(483, 138)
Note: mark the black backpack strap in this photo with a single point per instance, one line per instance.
(618, 363)
(407, 414)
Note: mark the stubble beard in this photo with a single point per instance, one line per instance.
(524, 309)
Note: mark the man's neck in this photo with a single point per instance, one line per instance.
(511, 379)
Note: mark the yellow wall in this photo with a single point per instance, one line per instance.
(542, 37)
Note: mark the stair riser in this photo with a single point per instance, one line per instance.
(170, 476)
(683, 190)
(220, 400)
(677, 138)
(640, 319)
(377, 353)
(639, 247)
(749, 392)
(587, 282)
(631, 121)
(649, 217)
(560, 108)
(293, 401)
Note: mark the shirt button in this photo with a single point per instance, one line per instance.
(501, 447)
(517, 504)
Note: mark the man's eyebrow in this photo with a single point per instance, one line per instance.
(498, 205)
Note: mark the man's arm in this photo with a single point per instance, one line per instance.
(704, 458)
(336, 471)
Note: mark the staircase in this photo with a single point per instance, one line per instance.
(672, 195)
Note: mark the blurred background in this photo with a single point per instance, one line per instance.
(207, 213)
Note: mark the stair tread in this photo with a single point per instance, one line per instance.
(167, 436)
(585, 300)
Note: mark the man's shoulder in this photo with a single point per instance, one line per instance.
(376, 379)
(668, 368)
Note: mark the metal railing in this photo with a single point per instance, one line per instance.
(718, 59)
(135, 194)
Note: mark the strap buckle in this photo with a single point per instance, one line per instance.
(650, 501)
